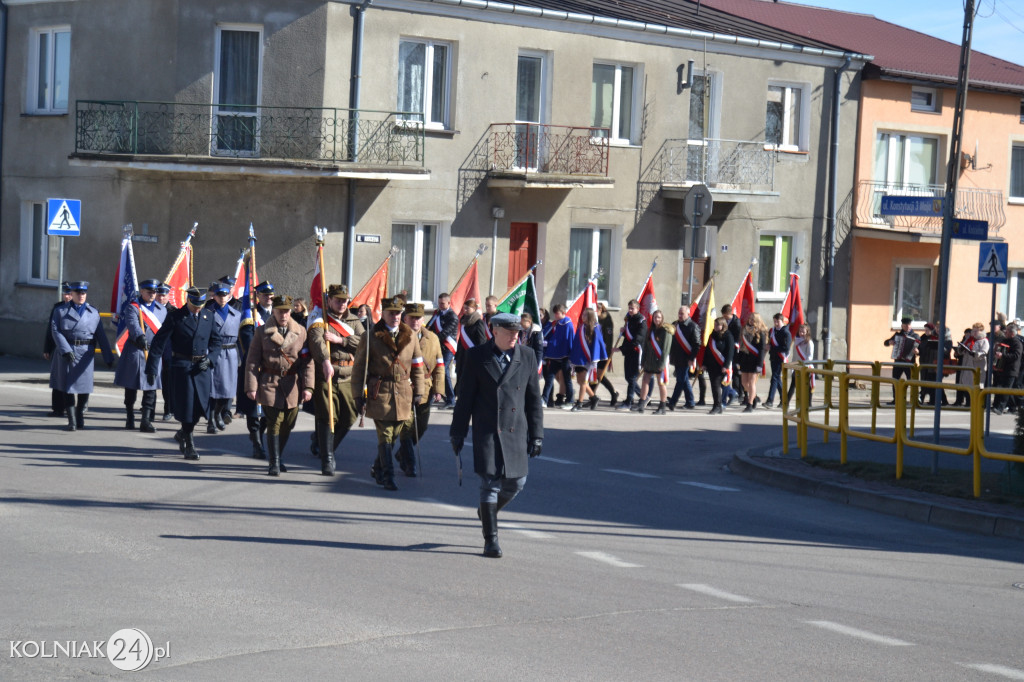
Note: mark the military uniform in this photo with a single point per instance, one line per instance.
(195, 345)
(254, 318)
(142, 320)
(390, 364)
(224, 385)
(339, 400)
(57, 398)
(76, 329)
(275, 372)
(434, 369)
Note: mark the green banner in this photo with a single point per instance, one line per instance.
(522, 299)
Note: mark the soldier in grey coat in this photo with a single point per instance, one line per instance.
(77, 329)
(500, 392)
(142, 320)
(227, 320)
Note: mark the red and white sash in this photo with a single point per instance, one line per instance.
(720, 359)
(681, 338)
(802, 358)
(149, 318)
(751, 348)
(342, 329)
(654, 344)
(464, 339)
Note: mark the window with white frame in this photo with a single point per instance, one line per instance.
(592, 249)
(413, 269)
(912, 294)
(424, 81)
(49, 70)
(1017, 172)
(1015, 308)
(703, 123)
(774, 259)
(237, 88)
(40, 253)
(785, 118)
(924, 99)
(613, 100)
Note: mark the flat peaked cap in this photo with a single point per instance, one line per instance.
(395, 304)
(338, 291)
(78, 286)
(506, 320)
(282, 301)
(151, 284)
(265, 287)
(414, 309)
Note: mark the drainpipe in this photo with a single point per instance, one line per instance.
(358, 13)
(830, 226)
(3, 88)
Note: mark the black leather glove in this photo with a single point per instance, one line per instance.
(457, 443)
(203, 364)
(535, 447)
(140, 341)
(69, 358)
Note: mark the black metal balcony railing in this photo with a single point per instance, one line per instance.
(538, 148)
(725, 164)
(971, 202)
(362, 136)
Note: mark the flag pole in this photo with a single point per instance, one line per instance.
(520, 282)
(181, 254)
(252, 274)
(321, 236)
(479, 252)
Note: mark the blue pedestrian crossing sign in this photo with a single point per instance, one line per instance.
(992, 260)
(63, 217)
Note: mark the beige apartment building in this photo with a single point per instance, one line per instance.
(567, 133)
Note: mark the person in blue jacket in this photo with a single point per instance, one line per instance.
(557, 354)
(588, 350)
(227, 320)
(143, 319)
(77, 330)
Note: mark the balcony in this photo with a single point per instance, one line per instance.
(293, 141)
(735, 170)
(971, 203)
(518, 155)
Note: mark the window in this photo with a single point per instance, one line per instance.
(923, 99)
(413, 270)
(424, 69)
(1022, 110)
(531, 96)
(613, 101)
(774, 258)
(702, 121)
(1015, 310)
(912, 296)
(1017, 172)
(784, 118)
(40, 253)
(49, 69)
(590, 250)
(905, 165)
(237, 89)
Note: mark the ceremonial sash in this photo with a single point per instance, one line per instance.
(771, 337)
(149, 318)
(436, 323)
(681, 338)
(451, 344)
(751, 348)
(487, 331)
(340, 327)
(628, 334)
(803, 358)
(654, 344)
(464, 338)
(720, 359)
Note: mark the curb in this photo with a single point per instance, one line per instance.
(921, 511)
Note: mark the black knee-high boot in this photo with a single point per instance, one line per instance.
(253, 424)
(489, 521)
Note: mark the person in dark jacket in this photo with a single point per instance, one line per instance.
(655, 362)
(195, 346)
(604, 318)
(530, 336)
(905, 349)
(718, 356)
(499, 391)
(736, 330)
(930, 351)
(57, 398)
(1007, 361)
(77, 330)
(750, 358)
(683, 354)
(472, 332)
(634, 333)
(163, 297)
(224, 386)
(445, 323)
(779, 341)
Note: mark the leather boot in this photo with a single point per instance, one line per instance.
(383, 469)
(661, 408)
(407, 457)
(218, 414)
(190, 446)
(489, 521)
(129, 418)
(274, 453)
(254, 437)
(179, 438)
(80, 408)
(314, 442)
(71, 419)
(147, 421)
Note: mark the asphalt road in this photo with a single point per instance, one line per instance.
(632, 554)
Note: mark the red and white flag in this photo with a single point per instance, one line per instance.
(648, 304)
(468, 287)
(586, 299)
(374, 292)
(792, 308)
(316, 289)
(743, 303)
(238, 289)
(179, 279)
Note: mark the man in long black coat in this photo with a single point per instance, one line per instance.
(500, 392)
(195, 346)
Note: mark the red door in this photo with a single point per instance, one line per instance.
(522, 250)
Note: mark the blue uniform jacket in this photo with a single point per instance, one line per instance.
(560, 339)
(131, 366)
(78, 334)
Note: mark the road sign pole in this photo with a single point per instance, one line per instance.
(991, 354)
(60, 270)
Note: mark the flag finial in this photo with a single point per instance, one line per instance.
(321, 234)
(128, 230)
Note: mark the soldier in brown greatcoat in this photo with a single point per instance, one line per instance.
(390, 365)
(332, 342)
(433, 370)
(275, 377)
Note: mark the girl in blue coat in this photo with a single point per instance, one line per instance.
(588, 349)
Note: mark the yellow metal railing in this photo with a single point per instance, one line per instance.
(906, 398)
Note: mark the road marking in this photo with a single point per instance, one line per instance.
(861, 634)
(635, 474)
(608, 559)
(1002, 670)
(555, 460)
(712, 592)
(443, 505)
(536, 534)
(708, 486)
